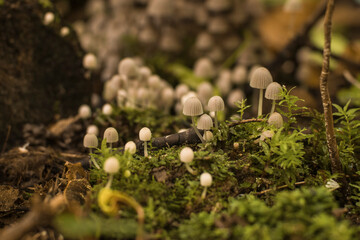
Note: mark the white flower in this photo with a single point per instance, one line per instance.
(332, 185)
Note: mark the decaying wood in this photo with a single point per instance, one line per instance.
(187, 137)
(40, 215)
(336, 166)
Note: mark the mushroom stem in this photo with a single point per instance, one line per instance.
(196, 130)
(190, 170)
(203, 195)
(111, 177)
(216, 120)
(272, 107)
(261, 96)
(93, 160)
(145, 149)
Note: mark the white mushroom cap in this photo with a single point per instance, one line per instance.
(276, 120)
(161, 8)
(181, 90)
(216, 103)
(64, 31)
(145, 134)
(273, 91)
(234, 96)
(218, 25)
(193, 107)
(154, 81)
(239, 74)
(111, 135)
(90, 141)
(261, 78)
(145, 73)
(204, 41)
(204, 68)
(205, 179)
(90, 61)
(128, 68)
(130, 147)
(110, 90)
(186, 155)
(218, 5)
(208, 136)
(205, 91)
(84, 111)
(224, 82)
(49, 17)
(205, 122)
(93, 129)
(167, 96)
(266, 134)
(111, 165)
(107, 109)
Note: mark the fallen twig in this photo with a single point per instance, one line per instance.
(277, 188)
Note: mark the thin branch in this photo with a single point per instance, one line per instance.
(351, 79)
(277, 188)
(336, 166)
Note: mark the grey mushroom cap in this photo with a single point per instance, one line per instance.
(261, 78)
(216, 103)
(193, 107)
(276, 120)
(205, 122)
(90, 141)
(273, 91)
(111, 135)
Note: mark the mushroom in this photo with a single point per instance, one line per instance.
(215, 104)
(187, 156)
(208, 136)
(260, 79)
(130, 147)
(93, 129)
(204, 91)
(49, 17)
(111, 136)
(64, 31)
(145, 136)
(91, 141)
(204, 68)
(127, 67)
(273, 92)
(193, 107)
(107, 109)
(204, 123)
(111, 166)
(276, 120)
(90, 61)
(84, 111)
(205, 181)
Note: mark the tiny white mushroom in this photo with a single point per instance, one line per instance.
(93, 129)
(260, 79)
(276, 120)
(145, 136)
(273, 92)
(111, 136)
(64, 31)
(187, 156)
(205, 122)
(130, 147)
(49, 17)
(208, 136)
(84, 111)
(107, 109)
(205, 181)
(90, 61)
(111, 166)
(193, 107)
(215, 104)
(128, 68)
(91, 141)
